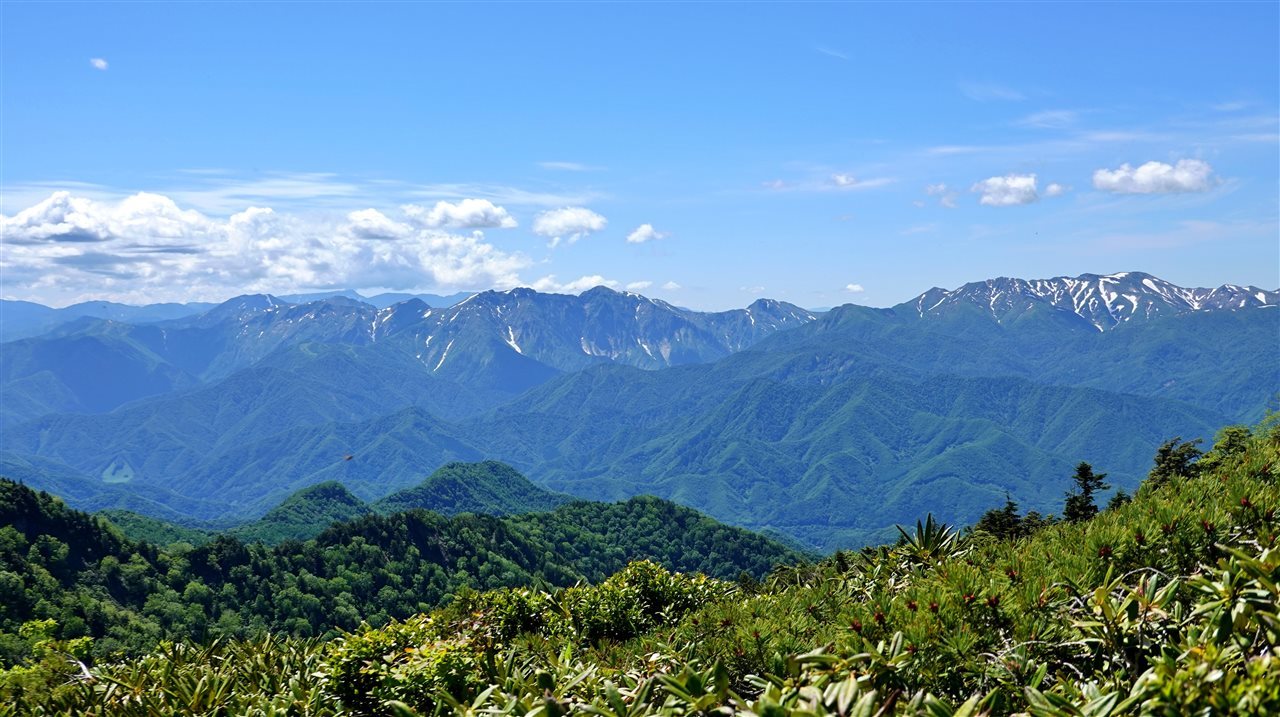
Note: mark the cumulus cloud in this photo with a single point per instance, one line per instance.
(465, 214)
(644, 233)
(147, 248)
(639, 285)
(568, 224)
(98, 63)
(577, 286)
(1007, 191)
(854, 288)
(672, 286)
(66, 218)
(1187, 175)
(373, 224)
(1055, 190)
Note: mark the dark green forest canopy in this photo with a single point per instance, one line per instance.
(81, 571)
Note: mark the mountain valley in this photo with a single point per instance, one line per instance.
(829, 428)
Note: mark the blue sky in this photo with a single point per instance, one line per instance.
(819, 154)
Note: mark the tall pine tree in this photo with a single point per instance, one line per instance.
(1080, 504)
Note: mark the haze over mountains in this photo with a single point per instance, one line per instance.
(828, 428)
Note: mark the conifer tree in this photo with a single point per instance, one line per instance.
(1080, 505)
(1175, 457)
(1002, 522)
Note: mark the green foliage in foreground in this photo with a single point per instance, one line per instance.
(1166, 605)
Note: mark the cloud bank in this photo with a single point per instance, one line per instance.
(147, 248)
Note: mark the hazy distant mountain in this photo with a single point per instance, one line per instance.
(496, 344)
(23, 319)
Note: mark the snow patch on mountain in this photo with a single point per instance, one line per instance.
(1104, 301)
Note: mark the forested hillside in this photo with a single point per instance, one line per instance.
(1163, 604)
(60, 564)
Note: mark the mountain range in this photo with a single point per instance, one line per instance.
(825, 427)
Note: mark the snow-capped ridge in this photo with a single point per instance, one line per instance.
(1102, 300)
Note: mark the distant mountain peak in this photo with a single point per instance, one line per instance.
(565, 332)
(1102, 300)
(485, 487)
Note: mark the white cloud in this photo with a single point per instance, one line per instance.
(569, 224)
(948, 150)
(639, 285)
(841, 180)
(224, 192)
(373, 224)
(672, 286)
(549, 284)
(1055, 190)
(1049, 119)
(63, 217)
(98, 63)
(147, 248)
(1187, 175)
(227, 194)
(1007, 191)
(644, 233)
(946, 197)
(836, 182)
(468, 214)
(854, 288)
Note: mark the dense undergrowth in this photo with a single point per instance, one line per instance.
(1165, 605)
